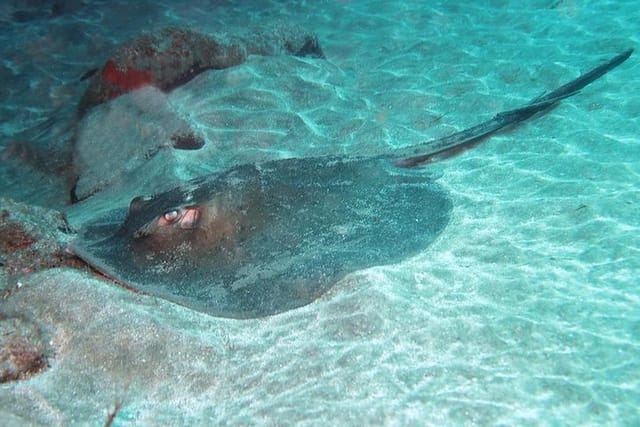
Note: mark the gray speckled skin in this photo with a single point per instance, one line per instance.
(294, 228)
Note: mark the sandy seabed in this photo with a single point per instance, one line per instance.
(523, 312)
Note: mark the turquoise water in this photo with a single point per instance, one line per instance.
(523, 312)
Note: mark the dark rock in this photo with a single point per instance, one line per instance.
(172, 56)
(23, 348)
(31, 239)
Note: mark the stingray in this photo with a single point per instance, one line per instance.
(260, 239)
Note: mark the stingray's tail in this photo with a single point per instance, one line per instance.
(452, 144)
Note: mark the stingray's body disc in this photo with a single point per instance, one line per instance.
(267, 238)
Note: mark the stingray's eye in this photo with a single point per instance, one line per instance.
(170, 217)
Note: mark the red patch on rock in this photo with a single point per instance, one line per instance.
(14, 237)
(125, 80)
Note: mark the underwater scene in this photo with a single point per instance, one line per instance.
(319, 213)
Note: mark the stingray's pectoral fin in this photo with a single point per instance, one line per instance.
(460, 141)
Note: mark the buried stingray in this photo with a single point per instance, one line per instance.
(260, 239)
